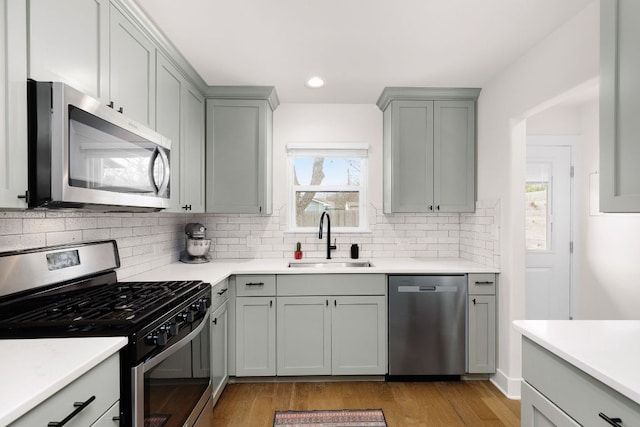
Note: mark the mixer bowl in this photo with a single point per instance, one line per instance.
(198, 247)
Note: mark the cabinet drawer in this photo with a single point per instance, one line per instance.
(101, 385)
(538, 411)
(580, 395)
(482, 284)
(331, 284)
(255, 285)
(111, 418)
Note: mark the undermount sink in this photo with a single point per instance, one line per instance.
(330, 264)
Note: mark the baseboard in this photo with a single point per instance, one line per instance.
(510, 387)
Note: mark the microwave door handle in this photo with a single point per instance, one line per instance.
(162, 188)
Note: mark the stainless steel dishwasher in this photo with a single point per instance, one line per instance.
(427, 325)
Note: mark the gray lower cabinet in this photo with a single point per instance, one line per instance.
(538, 411)
(255, 325)
(239, 151)
(98, 389)
(429, 149)
(619, 105)
(219, 350)
(481, 326)
(331, 324)
(556, 393)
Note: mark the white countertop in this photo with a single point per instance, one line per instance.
(32, 370)
(608, 350)
(217, 270)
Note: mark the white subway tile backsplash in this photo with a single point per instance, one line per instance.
(10, 226)
(147, 241)
(42, 225)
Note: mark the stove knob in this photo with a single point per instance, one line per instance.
(173, 329)
(157, 338)
(190, 316)
(162, 339)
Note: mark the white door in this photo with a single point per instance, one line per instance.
(548, 232)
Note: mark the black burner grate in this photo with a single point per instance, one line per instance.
(114, 305)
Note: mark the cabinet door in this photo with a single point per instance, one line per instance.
(255, 336)
(192, 152)
(99, 389)
(111, 418)
(13, 104)
(359, 335)
(538, 411)
(412, 156)
(237, 143)
(169, 87)
(482, 334)
(304, 336)
(132, 70)
(619, 105)
(69, 42)
(454, 156)
(219, 344)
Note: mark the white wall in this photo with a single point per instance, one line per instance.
(607, 284)
(327, 123)
(566, 59)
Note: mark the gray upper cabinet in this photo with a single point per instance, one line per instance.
(619, 105)
(68, 42)
(131, 70)
(239, 149)
(13, 104)
(429, 149)
(180, 117)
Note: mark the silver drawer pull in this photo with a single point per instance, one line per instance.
(255, 284)
(612, 421)
(487, 283)
(79, 407)
(223, 291)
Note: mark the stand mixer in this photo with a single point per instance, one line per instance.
(196, 246)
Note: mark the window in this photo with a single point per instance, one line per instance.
(537, 209)
(328, 177)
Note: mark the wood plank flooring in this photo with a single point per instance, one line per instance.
(457, 403)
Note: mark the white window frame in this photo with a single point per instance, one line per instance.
(329, 149)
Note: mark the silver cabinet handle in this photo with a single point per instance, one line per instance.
(484, 283)
(255, 284)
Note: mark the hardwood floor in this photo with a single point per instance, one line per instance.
(458, 403)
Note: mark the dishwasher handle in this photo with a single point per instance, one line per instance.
(431, 288)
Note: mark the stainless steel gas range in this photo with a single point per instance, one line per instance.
(72, 291)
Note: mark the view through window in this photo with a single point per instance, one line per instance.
(331, 181)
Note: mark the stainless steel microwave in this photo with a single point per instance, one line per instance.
(83, 154)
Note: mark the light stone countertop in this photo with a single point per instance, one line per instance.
(608, 350)
(218, 270)
(32, 370)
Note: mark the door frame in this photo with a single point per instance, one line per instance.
(573, 142)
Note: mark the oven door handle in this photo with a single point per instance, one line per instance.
(168, 352)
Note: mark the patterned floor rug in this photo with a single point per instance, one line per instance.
(156, 420)
(343, 418)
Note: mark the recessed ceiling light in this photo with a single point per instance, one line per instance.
(315, 82)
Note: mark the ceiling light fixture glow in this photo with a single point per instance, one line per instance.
(315, 82)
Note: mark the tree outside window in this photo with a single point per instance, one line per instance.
(331, 181)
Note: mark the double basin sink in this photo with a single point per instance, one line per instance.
(330, 264)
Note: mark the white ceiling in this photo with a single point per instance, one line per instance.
(357, 46)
